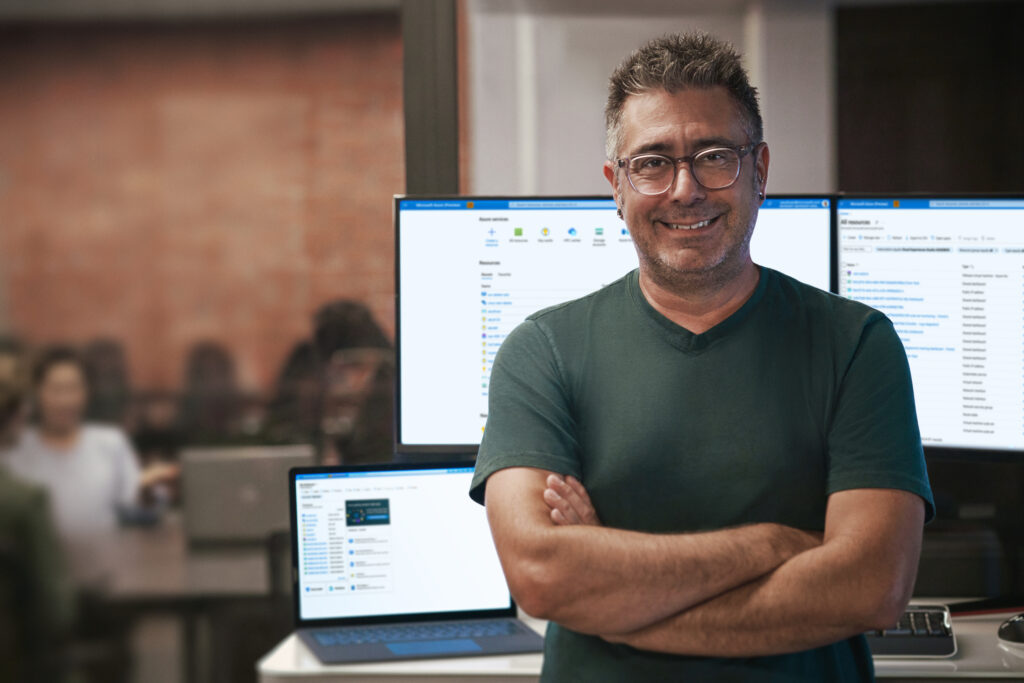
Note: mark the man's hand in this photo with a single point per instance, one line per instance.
(569, 502)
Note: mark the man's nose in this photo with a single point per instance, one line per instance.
(685, 189)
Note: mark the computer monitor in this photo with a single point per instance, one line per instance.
(469, 269)
(949, 272)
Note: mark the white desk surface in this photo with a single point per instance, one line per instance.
(979, 656)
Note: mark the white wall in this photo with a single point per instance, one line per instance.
(538, 74)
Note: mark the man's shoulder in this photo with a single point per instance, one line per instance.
(818, 307)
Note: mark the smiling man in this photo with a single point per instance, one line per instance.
(706, 470)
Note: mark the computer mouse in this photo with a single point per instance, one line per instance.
(1011, 632)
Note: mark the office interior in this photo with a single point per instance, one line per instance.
(197, 197)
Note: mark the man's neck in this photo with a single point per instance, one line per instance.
(698, 308)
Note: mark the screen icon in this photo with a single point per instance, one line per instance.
(572, 232)
(598, 231)
(518, 232)
(545, 232)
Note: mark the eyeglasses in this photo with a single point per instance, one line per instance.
(714, 169)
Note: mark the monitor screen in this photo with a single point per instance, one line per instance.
(949, 272)
(470, 269)
(393, 541)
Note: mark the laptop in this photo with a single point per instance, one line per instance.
(237, 495)
(394, 562)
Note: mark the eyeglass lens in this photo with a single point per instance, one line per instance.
(653, 173)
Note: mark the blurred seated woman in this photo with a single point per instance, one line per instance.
(90, 470)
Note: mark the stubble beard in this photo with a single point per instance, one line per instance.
(710, 277)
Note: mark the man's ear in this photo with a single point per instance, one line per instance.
(613, 180)
(761, 161)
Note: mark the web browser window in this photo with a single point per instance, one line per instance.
(394, 542)
(471, 270)
(949, 273)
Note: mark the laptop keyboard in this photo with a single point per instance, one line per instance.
(356, 635)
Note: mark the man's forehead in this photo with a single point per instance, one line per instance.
(687, 119)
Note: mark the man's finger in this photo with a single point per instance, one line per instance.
(581, 501)
(560, 504)
(577, 510)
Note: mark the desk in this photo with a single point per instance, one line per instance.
(156, 565)
(979, 656)
(146, 570)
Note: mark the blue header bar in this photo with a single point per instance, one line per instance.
(931, 204)
(385, 473)
(802, 203)
(503, 204)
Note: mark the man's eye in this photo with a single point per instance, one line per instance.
(650, 163)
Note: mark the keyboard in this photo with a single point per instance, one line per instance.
(922, 631)
(390, 633)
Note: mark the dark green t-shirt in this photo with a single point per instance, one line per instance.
(795, 396)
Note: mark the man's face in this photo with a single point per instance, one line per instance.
(677, 125)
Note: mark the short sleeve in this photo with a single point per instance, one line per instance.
(529, 419)
(874, 440)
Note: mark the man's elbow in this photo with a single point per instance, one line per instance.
(536, 586)
(886, 604)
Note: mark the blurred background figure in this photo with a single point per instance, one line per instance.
(357, 395)
(356, 420)
(36, 599)
(109, 388)
(90, 470)
(211, 403)
(345, 324)
(295, 405)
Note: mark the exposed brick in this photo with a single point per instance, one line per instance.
(165, 185)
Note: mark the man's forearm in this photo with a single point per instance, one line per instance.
(842, 588)
(601, 580)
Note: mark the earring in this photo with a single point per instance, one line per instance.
(760, 195)
(619, 211)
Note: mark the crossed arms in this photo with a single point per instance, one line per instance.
(753, 590)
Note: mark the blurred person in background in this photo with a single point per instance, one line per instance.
(89, 470)
(211, 403)
(293, 412)
(357, 369)
(357, 413)
(36, 599)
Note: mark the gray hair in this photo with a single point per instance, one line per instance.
(673, 63)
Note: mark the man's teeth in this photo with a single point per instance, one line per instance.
(694, 226)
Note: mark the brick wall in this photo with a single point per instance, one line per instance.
(169, 184)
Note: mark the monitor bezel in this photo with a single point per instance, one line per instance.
(441, 450)
(300, 622)
(931, 452)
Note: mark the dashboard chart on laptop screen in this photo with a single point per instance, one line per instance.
(471, 269)
(949, 273)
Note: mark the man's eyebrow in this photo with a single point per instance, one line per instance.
(662, 147)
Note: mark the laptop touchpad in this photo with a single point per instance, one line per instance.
(433, 647)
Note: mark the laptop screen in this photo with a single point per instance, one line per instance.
(392, 540)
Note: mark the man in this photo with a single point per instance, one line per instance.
(706, 470)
